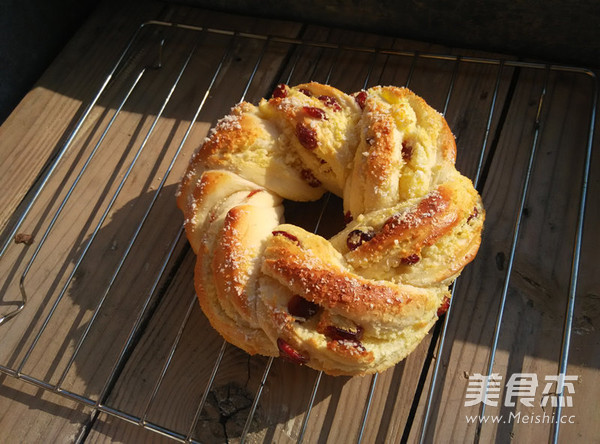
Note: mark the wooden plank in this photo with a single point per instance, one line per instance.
(467, 317)
(27, 139)
(175, 403)
(337, 412)
(121, 432)
(548, 31)
(41, 122)
(30, 414)
(529, 336)
(584, 354)
(470, 97)
(76, 227)
(530, 331)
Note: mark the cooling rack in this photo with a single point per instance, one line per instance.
(100, 309)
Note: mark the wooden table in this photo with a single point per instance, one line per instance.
(111, 336)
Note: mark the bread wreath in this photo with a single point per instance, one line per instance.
(363, 300)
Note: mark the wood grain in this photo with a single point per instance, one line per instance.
(112, 269)
(530, 332)
(28, 138)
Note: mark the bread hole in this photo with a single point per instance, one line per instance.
(324, 216)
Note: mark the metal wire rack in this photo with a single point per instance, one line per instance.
(148, 52)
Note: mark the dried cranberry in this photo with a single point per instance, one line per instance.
(305, 91)
(348, 217)
(442, 309)
(310, 179)
(315, 112)
(358, 237)
(302, 308)
(307, 136)
(287, 352)
(287, 235)
(361, 99)
(473, 215)
(330, 102)
(410, 260)
(280, 91)
(407, 151)
(343, 334)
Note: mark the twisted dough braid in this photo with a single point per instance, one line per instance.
(354, 304)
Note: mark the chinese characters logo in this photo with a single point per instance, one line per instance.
(520, 387)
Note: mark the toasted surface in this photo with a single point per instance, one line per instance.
(364, 299)
(247, 143)
(201, 194)
(403, 145)
(420, 241)
(321, 123)
(307, 266)
(221, 243)
(236, 263)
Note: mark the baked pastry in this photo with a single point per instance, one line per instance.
(363, 300)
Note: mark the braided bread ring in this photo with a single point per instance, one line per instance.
(363, 300)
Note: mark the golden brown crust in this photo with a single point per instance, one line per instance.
(404, 142)
(420, 242)
(252, 341)
(391, 318)
(326, 284)
(236, 262)
(361, 301)
(313, 269)
(202, 194)
(433, 217)
(245, 142)
(229, 249)
(320, 123)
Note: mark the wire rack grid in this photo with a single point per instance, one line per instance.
(160, 60)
